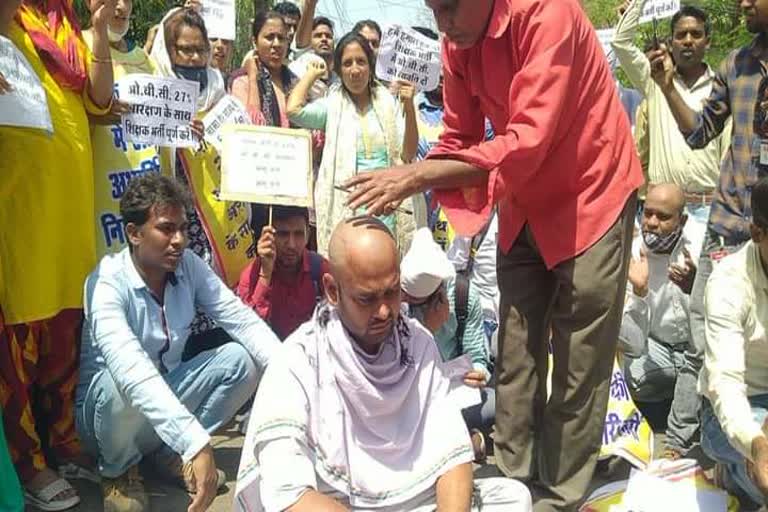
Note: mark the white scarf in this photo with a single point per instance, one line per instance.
(214, 91)
(381, 428)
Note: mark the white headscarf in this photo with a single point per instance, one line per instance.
(425, 266)
(215, 89)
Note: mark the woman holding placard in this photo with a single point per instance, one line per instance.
(218, 230)
(366, 129)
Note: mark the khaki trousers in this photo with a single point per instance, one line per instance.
(576, 308)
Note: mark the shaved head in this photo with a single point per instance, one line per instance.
(364, 282)
(664, 210)
(669, 194)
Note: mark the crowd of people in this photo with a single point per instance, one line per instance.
(529, 216)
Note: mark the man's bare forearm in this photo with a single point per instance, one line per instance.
(313, 501)
(454, 489)
(437, 174)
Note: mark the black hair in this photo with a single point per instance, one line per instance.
(760, 203)
(360, 25)
(693, 12)
(280, 212)
(428, 32)
(261, 18)
(287, 9)
(351, 38)
(151, 191)
(186, 17)
(322, 20)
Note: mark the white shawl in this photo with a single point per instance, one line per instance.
(380, 428)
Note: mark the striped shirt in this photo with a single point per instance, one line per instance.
(734, 93)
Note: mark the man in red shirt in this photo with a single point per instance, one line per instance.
(284, 282)
(564, 173)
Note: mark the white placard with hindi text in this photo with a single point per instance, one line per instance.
(659, 9)
(266, 165)
(26, 105)
(162, 110)
(229, 110)
(220, 19)
(405, 54)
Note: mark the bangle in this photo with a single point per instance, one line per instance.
(264, 276)
(101, 61)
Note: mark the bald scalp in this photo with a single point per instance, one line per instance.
(669, 194)
(358, 243)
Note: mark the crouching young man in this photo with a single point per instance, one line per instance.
(137, 396)
(354, 414)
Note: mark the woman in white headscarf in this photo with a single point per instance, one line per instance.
(218, 230)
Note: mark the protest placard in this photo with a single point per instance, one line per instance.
(162, 110)
(405, 54)
(659, 9)
(26, 105)
(262, 164)
(606, 35)
(228, 110)
(220, 17)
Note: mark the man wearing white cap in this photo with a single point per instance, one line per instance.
(428, 282)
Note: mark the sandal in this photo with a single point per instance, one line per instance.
(72, 471)
(44, 498)
(478, 445)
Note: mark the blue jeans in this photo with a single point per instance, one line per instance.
(683, 421)
(715, 444)
(213, 385)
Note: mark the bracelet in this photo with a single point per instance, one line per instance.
(101, 61)
(264, 276)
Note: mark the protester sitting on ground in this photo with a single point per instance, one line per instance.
(265, 81)
(371, 31)
(140, 396)
(365, 130)
(734, 381)
(115, 161)
(218, 230)
(354, 414)
(48, 242)
(656, 324)
(449, 306)
(284, 283)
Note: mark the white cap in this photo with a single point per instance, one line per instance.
(425, 266)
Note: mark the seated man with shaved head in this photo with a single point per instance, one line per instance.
(655, 331)
(355, 415)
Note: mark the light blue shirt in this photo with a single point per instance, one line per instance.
(128, 333)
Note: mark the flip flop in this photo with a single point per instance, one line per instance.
(44, 498)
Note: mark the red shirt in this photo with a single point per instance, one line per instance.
(563, 159)
(284, 304)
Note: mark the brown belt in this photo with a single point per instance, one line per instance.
(704, 198)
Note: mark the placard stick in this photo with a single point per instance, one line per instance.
(270, 215)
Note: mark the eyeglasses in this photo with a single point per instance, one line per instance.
(191, 52)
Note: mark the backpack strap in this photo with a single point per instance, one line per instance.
(461, 306)
(316, 272)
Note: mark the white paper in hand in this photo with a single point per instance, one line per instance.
(460, 394)
(659, 9)
(228, 110)
(220, 19)
(407, 55)
(27, 105)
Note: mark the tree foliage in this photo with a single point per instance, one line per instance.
(728, 30)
